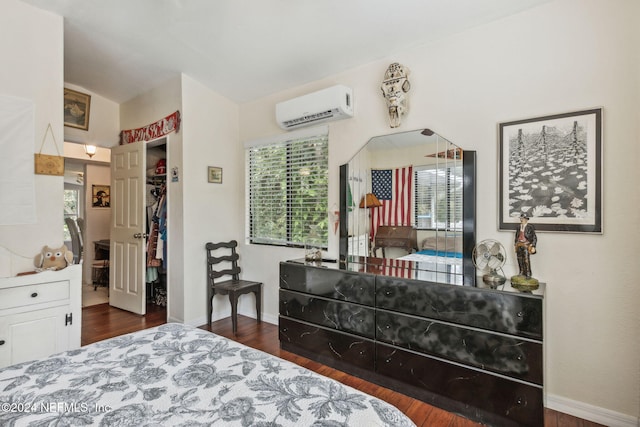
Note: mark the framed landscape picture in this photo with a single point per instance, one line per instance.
(76, 109)
(551, 170)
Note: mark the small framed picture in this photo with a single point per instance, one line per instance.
(215, 174)
(100, 196)
(551, 170)
(76, 109)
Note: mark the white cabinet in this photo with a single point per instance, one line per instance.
(40, 314)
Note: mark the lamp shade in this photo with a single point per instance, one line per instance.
(370, 201)
(90, 150)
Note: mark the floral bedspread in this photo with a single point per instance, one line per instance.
(179, 375)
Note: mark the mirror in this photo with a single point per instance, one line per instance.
(407, 201)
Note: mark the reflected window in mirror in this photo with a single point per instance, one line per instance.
(438, 198)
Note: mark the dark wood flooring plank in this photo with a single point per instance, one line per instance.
(565, 420)
(550, 418)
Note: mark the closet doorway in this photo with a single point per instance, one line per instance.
(140, 196)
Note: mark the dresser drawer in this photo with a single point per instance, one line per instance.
(510, 313)
(26, 295)
(514, 402)
(507, 355)
(336, 284)
(339, 315)
(327, 344)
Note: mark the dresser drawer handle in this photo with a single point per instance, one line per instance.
(521, 314)
(33, 295)
(1, 342)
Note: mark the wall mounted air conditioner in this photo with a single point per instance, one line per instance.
(333, 103)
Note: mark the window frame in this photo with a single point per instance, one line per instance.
(79, 190)
(453, 182)
(317, 193)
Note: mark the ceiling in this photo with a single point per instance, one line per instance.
(247, 49)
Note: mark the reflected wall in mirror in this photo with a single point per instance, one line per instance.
(409, 196)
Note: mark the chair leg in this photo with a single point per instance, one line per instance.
(209, 305)
(233, 299)
(258, 295)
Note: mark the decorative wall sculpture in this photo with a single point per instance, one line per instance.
(394, 89)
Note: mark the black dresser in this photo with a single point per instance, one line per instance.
(467, 349)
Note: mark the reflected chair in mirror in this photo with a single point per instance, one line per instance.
(222, 261)
(76, 242)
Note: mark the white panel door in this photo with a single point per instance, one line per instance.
(127, 286)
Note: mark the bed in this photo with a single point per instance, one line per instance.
(175, 374)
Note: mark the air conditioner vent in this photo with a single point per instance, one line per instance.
(329, 104)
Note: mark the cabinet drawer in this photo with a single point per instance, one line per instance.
(340, 285)
(343, 316)
(503, 354)
(26, 295)
(328, 344)
(516, 403)
(516, 314)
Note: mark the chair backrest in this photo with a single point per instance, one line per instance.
(76, 247)
(80, 222)
(222, 260)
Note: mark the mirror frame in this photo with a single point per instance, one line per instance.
(468, 216)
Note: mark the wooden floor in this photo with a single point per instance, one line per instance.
(102, 321)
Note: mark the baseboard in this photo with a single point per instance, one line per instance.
(590, 412)
(203, 320)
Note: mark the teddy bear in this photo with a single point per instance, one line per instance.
(53, 259)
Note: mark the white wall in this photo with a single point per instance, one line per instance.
(104, 121)
(198, 211)
(212, 212)
(31, 43)
(141, 111)
(565, 55)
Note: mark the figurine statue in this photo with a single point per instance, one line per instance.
(525, 246)
(394, 87)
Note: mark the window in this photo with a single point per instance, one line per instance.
(438, 197)
(288, 189)
(71, 208)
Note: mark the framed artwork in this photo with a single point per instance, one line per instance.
(551, 170)
(76, 109)
(215, 175)
(101, 196)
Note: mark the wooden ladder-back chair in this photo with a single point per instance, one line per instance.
(227, 265)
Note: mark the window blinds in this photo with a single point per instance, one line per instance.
(438, 197)
(288, 190)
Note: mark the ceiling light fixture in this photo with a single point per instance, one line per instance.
(90, 150)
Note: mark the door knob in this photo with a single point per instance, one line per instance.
(140, 235)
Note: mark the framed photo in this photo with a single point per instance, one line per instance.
(551, 170)
(215, 175)
(101, 196)
(76, 109)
